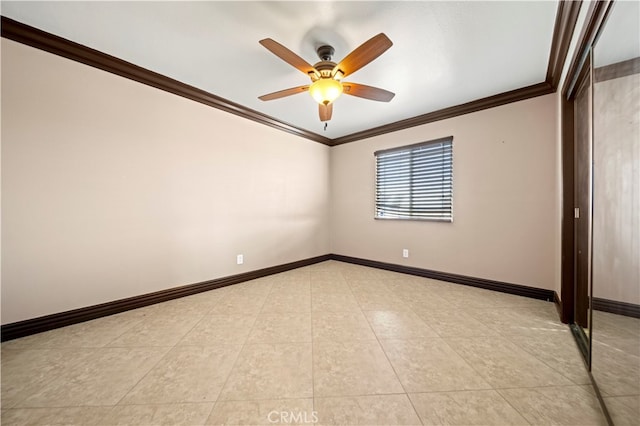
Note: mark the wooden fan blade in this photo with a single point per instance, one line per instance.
(289, 57)
(325, 112)
(362, 55)
(367, 92)
(283, 93)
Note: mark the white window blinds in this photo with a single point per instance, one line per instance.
(415, 181)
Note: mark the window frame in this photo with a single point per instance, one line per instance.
(410, 147)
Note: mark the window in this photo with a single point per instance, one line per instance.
(415, 181)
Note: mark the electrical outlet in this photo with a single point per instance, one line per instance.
(240, 259)
(405, 252)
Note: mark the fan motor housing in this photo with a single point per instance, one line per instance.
(325, 68)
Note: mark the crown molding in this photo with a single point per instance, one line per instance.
(596, 16)
(566, 18)
(25, 34)
(521, 94)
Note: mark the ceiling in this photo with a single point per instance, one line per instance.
(444, 53)
(620, 40)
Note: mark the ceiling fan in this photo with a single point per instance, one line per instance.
(326, 76)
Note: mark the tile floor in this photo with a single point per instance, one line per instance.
(331, 343)
(616, 365)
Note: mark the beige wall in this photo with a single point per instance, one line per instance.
(112, 189)
(505, 198)
(616, 190)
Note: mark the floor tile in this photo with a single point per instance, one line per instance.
(26, 371)
(295, 275)
(281, 328)
(384, 410)
(288, 287)
(90, 334)
(84, 416)
(287, 303)
(429, 365)
(610, 325)
(406, 284)
(326, 276)
(157, 330)
(330, 286)
(291, 285)
(186, 374)
(369, 286)
(352, 368)
(240, 304)
(424, 301)
(329, 265)
(341, 326)
(465, 297)
(380, 302)
(194, 305)
(257, 288)
(263, 412)
(163, 414)
(565, 405)
(483, 407)
(219, 329)
(629, 346)
(519, 320)
(101, 377)
(557, 349)
(398, 325)
(505, 365)
(616, 372)
(453, 323)
(334, 302)
(362, 273)
(344, 340)
(286, 280)
(624, 410)
(270, 371)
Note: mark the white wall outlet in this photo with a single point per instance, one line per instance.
(240, 259)
(405, 252)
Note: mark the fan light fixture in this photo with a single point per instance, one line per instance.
(325, 90)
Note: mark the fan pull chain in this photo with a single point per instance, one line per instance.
(325, 126)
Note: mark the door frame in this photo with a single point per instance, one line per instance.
(596, 16)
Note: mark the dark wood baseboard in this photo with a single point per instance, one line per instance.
(62, 319)
(75, 316)
(615, 307)
(617, 70)
(519, 290)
